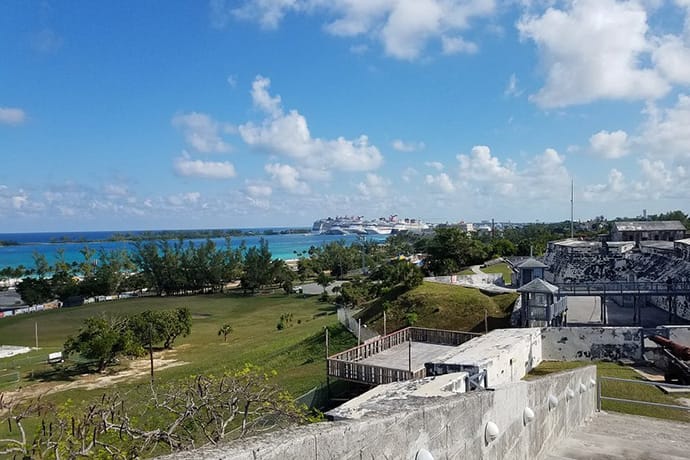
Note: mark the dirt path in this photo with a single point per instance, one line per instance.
(137, 369)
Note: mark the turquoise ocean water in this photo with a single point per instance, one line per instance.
(282, 246)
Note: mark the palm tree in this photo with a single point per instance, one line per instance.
(224, 331)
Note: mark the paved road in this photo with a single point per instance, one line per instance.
(614, 436)
(315, 289)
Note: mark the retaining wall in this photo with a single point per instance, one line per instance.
(450, 427)
(591, 343)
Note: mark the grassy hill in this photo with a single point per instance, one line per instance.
(442, 306)
(297, 352)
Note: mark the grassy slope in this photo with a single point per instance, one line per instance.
(502, 268)
(622, 389)
(297, 353)
(443, 306)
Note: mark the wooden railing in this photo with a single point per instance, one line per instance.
(347, 364)
(440, 336)
(373, 347)
(372, 375)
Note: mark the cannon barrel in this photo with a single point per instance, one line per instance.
(679, 351)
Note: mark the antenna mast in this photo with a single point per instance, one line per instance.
(572, 197)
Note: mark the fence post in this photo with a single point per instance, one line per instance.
(409, 355)
(598, 394)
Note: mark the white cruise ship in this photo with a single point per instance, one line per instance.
(357, 225)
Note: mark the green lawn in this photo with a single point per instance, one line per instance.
(502, 268)
(297, 352)
(623, 390)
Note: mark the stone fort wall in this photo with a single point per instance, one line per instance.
(451, 427)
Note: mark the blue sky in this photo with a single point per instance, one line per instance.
(178, 114)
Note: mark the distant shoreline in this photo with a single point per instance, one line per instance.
(153, 235)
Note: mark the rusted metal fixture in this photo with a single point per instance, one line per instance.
(679, 351)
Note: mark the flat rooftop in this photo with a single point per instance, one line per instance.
(614, 436)
(573, 243)
(398, 357)
(489, 347)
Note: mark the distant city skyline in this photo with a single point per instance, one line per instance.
(228, 114)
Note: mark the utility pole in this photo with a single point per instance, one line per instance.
(572, 203)
(36, 332)
(151, 351)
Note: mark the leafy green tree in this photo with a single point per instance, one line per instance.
(258, 268)
(42, 267)
(225, 330)
(102, 339)
(283, 275)
(176, 323)
(148, 327)
(502, 247)
(323, 280)
(355, 292)
(35, 291)
(450, 249)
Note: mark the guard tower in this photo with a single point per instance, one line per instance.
(540, 304)
(529, 270)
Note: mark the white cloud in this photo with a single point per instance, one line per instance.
(373, 186)
(263, 100)
(512, 87)
(232, 81)
(408, 174)
(201, 132)
(185, 166)
(437, 165)
(455, 45)
(592, 50)
(610, 144)
(115, 190)
(183, 199)
(672, 58)
(259, 190)
(288, 134)
(609, 191)
(19, 201)
(12, 116)
(443, 182)
(665, 132)
(657, 181)
(480, 165)
(404, 27)
(402, 146)
(288, 178)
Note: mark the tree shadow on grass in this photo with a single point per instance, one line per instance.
(62, 372)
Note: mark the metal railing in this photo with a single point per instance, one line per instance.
(653, 288)
(601, 398)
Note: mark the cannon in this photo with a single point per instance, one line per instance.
(678, 357)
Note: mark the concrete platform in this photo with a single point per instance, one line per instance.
(398, 356)
(612, 436)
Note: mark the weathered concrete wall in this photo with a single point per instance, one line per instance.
(590, 343)
(507, 355)
(448, 427)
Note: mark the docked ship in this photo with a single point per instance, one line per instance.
(347, 225)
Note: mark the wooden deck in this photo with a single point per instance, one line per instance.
(394, 357)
